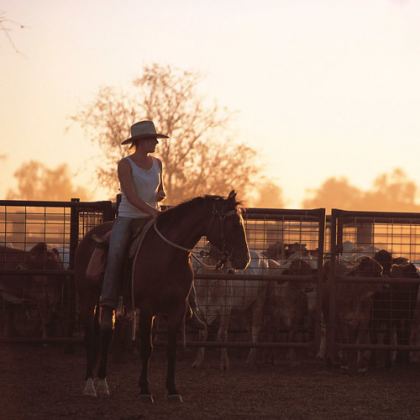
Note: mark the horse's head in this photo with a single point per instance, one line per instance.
(226, 230)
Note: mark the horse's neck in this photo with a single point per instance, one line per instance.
(188, 228)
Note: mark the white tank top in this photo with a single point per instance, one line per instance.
(146, 183)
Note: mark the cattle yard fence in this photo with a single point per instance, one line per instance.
(273, 234)
(60, 225)
(392, 323)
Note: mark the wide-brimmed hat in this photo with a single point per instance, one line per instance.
(144, 130)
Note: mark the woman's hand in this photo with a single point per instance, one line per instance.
(154, 212)
(160, 195)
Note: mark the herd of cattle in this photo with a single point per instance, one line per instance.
(380, 306)
(376, 302)
(30, 296)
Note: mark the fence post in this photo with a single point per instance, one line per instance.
(108, 211)
(331, 324)
(70, 288)
(319, 286)
(74, 230)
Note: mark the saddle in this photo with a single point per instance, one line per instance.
(97, 263)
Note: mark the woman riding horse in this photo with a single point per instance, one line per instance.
(162, 277)
(141, 181)
(161, 273)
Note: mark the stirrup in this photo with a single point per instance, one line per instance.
(106, 318)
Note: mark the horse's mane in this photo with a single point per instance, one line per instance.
(173, 214)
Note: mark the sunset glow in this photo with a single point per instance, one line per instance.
(320, 88)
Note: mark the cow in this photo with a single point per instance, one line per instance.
(287, 305)
(354, 302)
(40, 290)
(282, 252)
(394, 308)
(218, 298)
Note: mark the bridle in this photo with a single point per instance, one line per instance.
(221, 216)
(218, 215)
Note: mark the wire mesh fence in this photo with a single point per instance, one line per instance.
(274, 302)
(37, 244)
(304, 266)
(373, 287)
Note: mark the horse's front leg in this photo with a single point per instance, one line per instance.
(174, 323)
(146, 346)
(202, 336)
(105, 340)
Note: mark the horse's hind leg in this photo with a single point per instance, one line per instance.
(146, 321)
(174, 323)
(90, 322)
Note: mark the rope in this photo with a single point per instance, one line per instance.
(173, 244)
(170, 242)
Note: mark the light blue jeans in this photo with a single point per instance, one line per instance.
(117, 254)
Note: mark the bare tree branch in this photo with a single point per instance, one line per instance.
(6, 26)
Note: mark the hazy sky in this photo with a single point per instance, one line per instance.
(321, 88)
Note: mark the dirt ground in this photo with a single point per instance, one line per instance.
(46, 383)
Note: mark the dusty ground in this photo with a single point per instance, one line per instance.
(45, 383)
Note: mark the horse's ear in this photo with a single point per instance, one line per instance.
(232, 195)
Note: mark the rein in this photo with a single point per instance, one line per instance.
(222, 262)
(173, 244)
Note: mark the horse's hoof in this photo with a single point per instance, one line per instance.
(89, 389)
(147, 398)
(102, 387)
(175, 398)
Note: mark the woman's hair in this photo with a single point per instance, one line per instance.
(135, 142)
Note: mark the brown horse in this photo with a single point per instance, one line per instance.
(162, 277)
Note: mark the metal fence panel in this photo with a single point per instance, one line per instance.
(292, 307)
(379, 313)
(60, 225)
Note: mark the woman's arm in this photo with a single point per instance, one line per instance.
(127, 186)
(161, 195)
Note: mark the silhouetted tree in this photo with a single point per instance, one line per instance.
(390, 192)
(200, 157)
(269, 195)
(38, 182)
(6, 26)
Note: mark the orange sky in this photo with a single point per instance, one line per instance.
(321, 88)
